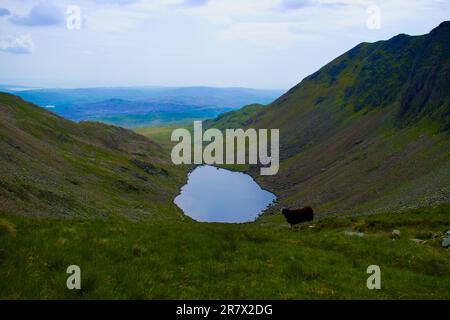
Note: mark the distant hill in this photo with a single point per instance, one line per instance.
(53, 166)
(143, 106)
(367, 132)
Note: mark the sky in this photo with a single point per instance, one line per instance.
(270, 44)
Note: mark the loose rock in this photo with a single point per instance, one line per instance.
(395, 233)
(446, 242)
(353, 233)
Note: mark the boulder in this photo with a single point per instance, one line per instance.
(395, 233)
(446, 242)
(353, 233)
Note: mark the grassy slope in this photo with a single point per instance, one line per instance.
(236, 118)
(162, 134)
(52, 166)
(189, 260)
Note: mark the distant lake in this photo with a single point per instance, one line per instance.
(218, 195)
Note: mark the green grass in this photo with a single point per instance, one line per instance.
(162, 135)
(159, 259)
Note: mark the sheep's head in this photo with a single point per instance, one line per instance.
(284, 211)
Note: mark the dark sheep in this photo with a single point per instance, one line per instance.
(296, 216)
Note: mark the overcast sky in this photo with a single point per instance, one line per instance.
(239, 43)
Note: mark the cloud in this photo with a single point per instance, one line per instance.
(297, 4)
(231, 11)
(21, 45)
(302, 4)
(119, 2)
(42, 14)
(194, 3)
(273, 35)
(4, 12)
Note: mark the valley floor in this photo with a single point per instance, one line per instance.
(157, 259)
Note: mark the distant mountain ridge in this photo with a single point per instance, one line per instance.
(144, 106)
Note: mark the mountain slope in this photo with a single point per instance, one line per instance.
(236, 118)
(368, 131)
(53, 166)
